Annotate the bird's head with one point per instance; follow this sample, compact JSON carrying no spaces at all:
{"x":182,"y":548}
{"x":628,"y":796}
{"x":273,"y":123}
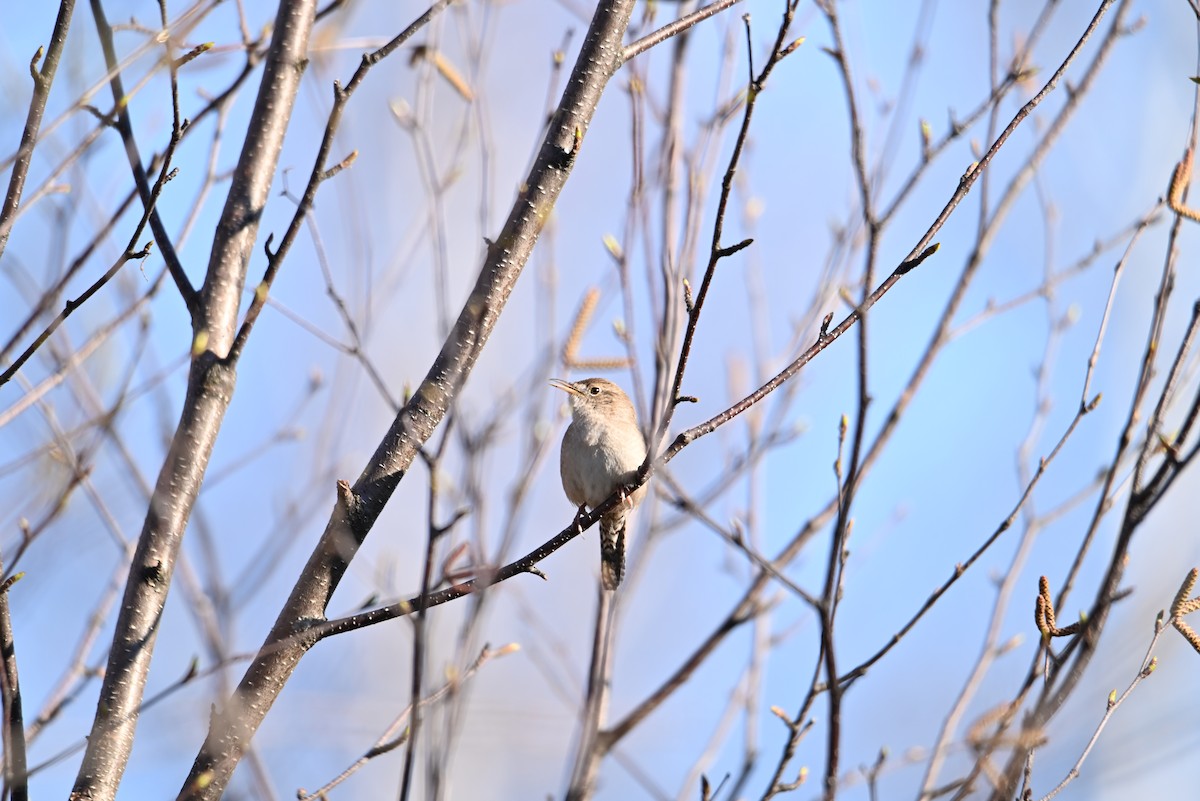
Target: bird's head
{"x":596,"y":398}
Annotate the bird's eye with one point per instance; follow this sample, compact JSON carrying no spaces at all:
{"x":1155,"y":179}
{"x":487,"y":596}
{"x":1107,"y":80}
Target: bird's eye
{"x":594,"y":390}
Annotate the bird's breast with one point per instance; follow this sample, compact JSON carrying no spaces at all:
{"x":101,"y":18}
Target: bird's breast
{"x":595,"y":462}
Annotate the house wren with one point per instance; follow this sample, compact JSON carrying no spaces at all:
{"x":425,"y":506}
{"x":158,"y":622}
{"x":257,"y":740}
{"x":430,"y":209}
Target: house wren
{"x":602,"y":450}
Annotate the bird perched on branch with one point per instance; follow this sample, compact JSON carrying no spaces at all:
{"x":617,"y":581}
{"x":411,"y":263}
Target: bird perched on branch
{"x":601,"y":451}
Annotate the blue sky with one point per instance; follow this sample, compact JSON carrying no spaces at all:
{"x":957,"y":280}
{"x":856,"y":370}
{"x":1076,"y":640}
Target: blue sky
{"x":944,"y":484}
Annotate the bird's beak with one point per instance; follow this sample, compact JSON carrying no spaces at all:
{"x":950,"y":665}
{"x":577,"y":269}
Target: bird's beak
{"x":566,"y":386}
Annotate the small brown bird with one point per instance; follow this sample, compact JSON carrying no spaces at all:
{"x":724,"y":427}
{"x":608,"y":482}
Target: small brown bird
{"x":602,"y":449}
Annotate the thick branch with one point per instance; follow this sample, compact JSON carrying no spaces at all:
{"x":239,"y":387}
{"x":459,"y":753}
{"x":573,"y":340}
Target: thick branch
{"x":357,"y":509}
{"x":210,"y":389}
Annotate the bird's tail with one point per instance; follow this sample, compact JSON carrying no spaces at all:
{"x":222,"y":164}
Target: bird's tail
{"x":612,"y":552}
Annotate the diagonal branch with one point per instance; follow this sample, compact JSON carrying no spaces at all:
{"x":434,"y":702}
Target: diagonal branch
{"x":307,"y":632}
{"x":319,"y":174}
{"x":674,"y":28}
{"x":124,"y":127}
{"x":359,"y":507}
{"x":42,"y":81}
{"x":210,"y":389}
